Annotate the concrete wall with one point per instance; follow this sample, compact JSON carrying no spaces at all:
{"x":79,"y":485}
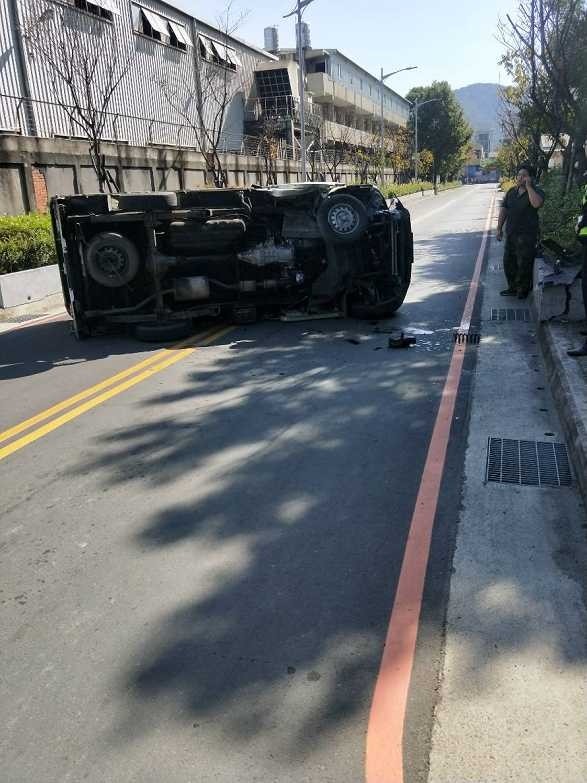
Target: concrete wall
{"x":30,"y":285}
{"x":32,"y":170}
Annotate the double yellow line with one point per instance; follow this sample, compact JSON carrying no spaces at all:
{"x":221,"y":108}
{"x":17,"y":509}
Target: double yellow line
{"x":90,"y":398}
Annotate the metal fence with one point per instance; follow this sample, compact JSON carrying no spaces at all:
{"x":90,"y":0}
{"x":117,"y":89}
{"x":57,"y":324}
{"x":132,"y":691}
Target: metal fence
{"x":282,"y":107}
{"x":46,"y":119}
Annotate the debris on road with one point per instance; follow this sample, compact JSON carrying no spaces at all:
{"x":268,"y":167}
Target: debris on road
{"x":401,"y":340}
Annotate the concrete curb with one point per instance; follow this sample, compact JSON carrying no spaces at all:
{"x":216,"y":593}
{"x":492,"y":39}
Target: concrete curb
{"x":569,"y":391}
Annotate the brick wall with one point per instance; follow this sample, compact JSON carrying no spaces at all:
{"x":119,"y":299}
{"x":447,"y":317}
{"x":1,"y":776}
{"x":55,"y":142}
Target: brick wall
{"x":40,"y":189}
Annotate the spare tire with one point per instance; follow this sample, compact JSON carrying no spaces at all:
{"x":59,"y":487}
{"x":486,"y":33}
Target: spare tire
{"x":144,"y":202}
{"x":112,"y":260}
{"x":342,"y":218}
{"x":189,"y":237}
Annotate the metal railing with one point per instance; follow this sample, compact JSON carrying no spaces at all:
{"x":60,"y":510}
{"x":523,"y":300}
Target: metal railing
{"x":47,"y":119}
{"x":281,"y":107}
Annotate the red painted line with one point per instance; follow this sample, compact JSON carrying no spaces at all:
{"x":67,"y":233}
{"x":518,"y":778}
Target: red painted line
{"x":384,"y":760}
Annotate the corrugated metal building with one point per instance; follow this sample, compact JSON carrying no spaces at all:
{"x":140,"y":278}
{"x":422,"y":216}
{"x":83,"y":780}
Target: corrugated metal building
{"x":163,"y":52}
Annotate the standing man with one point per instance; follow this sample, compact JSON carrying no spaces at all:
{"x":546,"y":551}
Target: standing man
{"x":582,"y":237}
{"x":519,"y":214}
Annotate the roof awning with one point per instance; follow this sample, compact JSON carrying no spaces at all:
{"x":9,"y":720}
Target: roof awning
{"x":180,"y":33}
{"x":234,"y":57}
{"x":207,"y":44}
{"x":220,"y":51}
{"x":157,"y":22}
{"x":107,"y":5}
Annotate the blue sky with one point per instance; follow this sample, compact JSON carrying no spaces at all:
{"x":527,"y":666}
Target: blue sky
{"x":452,"y":40}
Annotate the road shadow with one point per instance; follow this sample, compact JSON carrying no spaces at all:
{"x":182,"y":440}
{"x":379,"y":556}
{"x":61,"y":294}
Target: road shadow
{"x":38,"y":348}
{"x":287,"y":449}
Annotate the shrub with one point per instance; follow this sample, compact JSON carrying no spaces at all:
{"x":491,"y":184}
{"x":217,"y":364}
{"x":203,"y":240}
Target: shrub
{"x":26,"y":242}
{"x":505,"y":184}
{"x":559,"y":214}
{"x":416,"y":187}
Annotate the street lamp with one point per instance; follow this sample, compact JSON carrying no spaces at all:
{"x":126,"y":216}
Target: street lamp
{"x":417,"y":106}
{"x":298,"y":11}
{"x":385,"y":76}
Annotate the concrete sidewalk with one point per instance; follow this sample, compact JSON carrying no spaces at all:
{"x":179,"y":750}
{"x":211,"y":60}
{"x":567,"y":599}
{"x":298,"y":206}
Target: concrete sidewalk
{"x":513,"y":685}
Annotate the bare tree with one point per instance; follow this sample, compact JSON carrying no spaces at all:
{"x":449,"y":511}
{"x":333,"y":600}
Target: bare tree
{"x":269,"y":147}
{"x":366,"y":159}
{"x":205,"y":107}
{"x":399,"y":146}
{"x":86,"y":67}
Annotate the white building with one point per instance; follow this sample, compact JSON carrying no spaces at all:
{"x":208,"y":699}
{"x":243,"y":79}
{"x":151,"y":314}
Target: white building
{"x":162,"y":45}
{"x":342,"y":97}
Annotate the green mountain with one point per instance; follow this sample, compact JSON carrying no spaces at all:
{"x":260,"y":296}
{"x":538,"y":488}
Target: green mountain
{"x":482,"y":106}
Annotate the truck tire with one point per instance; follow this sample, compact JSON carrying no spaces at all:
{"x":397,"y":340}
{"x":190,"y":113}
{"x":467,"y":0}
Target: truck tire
{"x":112,"y":260}
{"x":144,"y":202}
{"x":163,"y":331}
{"x":392,"y":296}
{"x":342,"y":219}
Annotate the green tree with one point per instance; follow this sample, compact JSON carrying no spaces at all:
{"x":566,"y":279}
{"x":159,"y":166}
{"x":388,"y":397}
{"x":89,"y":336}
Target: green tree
{"x":426,"y":164}
{"x":546,"y":59}
{"x":442,"y":128}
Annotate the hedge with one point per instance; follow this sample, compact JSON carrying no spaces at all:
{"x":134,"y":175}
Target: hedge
{"x":416,"y":187}
{"x":559,"y":214}
{"x":26,"y":242}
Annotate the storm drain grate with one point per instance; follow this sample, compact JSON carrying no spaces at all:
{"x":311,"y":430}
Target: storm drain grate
{"x":510,"y":314}
{"x":528,"y":463}
{"x":467,"y":338}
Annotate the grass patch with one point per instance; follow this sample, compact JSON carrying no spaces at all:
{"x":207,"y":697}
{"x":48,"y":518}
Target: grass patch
{"x":397,"y":191}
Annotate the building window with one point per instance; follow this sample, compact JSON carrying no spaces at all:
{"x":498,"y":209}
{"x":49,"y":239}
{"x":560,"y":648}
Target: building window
{"x":320,"y":67}
{"x":157,"y":27}
{"x":104,"y":9}
{"x":218,"y":53}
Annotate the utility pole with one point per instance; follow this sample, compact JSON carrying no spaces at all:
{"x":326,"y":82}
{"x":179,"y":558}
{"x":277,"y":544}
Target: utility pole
{"x":385,"y":76}
{"x":298,"y":12}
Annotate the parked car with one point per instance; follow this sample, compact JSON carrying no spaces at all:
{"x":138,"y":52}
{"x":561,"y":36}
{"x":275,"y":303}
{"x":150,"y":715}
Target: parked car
{"x":157,"y":261}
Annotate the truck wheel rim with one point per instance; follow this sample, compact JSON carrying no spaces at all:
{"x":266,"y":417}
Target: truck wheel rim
{"x":343,"y":219}
{"x":111,"y":262}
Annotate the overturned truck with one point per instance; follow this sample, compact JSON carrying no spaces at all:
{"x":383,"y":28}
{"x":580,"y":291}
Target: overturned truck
{"x":158,"y":261}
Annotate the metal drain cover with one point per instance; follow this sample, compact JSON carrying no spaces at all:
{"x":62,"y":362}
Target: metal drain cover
{"x":467,"y":338}
{"x":510,"y":314}
{"x":528,"y":463}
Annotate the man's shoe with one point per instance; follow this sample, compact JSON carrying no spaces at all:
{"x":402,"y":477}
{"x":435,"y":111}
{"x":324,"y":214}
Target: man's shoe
{"x":508,"y":292}
{"x":578,"y":352}
{"x":523,"y":294}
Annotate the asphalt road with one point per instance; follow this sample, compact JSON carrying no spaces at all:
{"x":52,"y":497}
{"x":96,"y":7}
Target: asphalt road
{"x":198,"y":570}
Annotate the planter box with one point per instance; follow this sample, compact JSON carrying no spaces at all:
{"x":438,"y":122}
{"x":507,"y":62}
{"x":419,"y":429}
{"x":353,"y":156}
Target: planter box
{"x":30,"y":285}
